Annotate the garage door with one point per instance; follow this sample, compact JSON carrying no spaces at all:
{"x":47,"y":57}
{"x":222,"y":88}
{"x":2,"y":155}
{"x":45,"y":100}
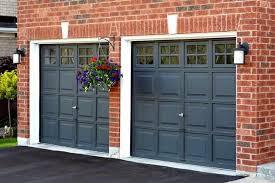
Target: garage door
{"x":69,"y":116}
{"x":183,"y":104}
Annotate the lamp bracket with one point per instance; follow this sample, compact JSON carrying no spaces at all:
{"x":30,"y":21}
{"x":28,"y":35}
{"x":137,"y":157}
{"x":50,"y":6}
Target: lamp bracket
{"x":245,"y":47}
{"x":21,"y":51}
{"x":110,"y":43}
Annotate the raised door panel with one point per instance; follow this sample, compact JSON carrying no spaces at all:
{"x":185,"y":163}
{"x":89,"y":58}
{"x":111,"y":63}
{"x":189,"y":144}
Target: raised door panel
{"x":224,"y":150}
{"x":67,"y":82}
{"x":86,"y":109}
{"x":67,"y":133}
{"x":197,"y":86}
{"x":86,"y":135}
{"x":144,"y":142}
{"x":197,"y":147}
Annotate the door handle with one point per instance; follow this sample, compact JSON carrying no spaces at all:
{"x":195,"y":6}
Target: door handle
{"x":181,"y":115}
{"x":74,"y":107}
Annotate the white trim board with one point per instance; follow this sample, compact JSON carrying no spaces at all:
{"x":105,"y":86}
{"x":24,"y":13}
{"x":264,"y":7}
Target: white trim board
{"x":125,"y":87}
{"x":70,"y":41}
{"x":23,"y":141}
{"x":8,"y":30}
{"x":34,"y":84}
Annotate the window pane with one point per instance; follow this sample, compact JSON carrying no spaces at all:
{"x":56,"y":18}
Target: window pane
{"x":71,"y":60}
{"x":219,"y":59}
{"x":64,"y":52}
{"x":202,"y":59}
{"x":149,"y":60}
{"x":165,"y":60}
{"x":82,"y":51}
{"x":219,"y":48}
{"x":82,"y":60}
{"x":89,"y":51}
{"x":174,"y":49}
{"x":141,"y":51}
{"x":52,"y":60}
{"x":174,"y":60}
{"x":230,"y":48}
{"x":103,"y":50}
{"x":191,"y":49}
{"x":71,"y":52}
{"x":141,"y":60}
{"x":229,"y":59}
{"x":149,"y":50}
{"x":64,"y":61}
{"x":164,"y":50}
{"x":50,"y":52}
{"x":202,"y":49}
{"x":67,"y":52}
{"x":191,"y":59}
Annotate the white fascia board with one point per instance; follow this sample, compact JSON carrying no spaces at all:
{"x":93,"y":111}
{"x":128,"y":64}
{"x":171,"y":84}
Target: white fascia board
{"x":8,"y":30}
{"x":210,"y":35}
{"x":71,"y":41}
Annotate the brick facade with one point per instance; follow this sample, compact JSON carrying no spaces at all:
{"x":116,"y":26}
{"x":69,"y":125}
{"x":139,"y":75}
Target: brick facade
{"x":253,"y":20}
{"x":8,"y":8}
{"x":8,"y":44}
{"x":7,"y":40}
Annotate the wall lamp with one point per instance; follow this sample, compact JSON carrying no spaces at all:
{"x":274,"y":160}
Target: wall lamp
{"x":240,"y":52}
{"x":20,"y":52}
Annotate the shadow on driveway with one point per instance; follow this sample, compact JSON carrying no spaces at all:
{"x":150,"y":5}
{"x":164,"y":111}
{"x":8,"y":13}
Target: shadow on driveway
{"x":30,"y":165}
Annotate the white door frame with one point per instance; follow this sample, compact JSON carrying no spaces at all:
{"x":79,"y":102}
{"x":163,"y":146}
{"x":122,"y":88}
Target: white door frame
{"x":34,"y":85}
{"x":125,"y":87}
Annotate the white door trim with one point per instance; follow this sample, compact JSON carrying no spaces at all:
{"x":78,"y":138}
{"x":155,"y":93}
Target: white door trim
{"x":125,"y":88}
{"x":34,"y":85}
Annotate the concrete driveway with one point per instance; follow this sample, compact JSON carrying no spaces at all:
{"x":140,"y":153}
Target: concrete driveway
{"x":30,"y":165}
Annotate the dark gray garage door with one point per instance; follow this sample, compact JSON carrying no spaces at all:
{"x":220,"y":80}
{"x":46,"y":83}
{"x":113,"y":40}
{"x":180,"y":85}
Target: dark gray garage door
{"x":69,"y":116}
{"x":184,"y":102}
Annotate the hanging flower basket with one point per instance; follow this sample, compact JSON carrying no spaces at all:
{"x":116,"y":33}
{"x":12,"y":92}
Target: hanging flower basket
{"x":99,"y":74}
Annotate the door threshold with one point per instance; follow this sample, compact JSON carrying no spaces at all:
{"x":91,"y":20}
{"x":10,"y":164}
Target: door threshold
{"x":184,"y":166}
{"x":52,"y":147}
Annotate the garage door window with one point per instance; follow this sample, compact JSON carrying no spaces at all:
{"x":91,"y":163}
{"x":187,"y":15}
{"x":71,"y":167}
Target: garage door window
{"x":145,"y":55}
{"x":50,"y":56}
{"x":169,"y":54}
{"x":224,"y":53}
{"x":67,"y":56}
{"x":196,"y":53}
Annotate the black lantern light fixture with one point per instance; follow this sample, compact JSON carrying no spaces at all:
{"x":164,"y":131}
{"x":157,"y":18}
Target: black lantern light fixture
{"x":20,"y":52}
{"x":240,"y":52}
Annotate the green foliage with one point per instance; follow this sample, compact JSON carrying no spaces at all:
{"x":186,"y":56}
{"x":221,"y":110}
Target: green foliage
{"x":8,"y":143}
{"x":8,"y":85}
{"x":6,"y":64}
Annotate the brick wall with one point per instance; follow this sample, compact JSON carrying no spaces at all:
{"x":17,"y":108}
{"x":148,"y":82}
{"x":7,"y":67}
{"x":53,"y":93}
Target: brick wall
{"x":255,"y":90}
{"x":7,"y":44}
{"x":252,"y":19}
{"x":8,"y":8}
